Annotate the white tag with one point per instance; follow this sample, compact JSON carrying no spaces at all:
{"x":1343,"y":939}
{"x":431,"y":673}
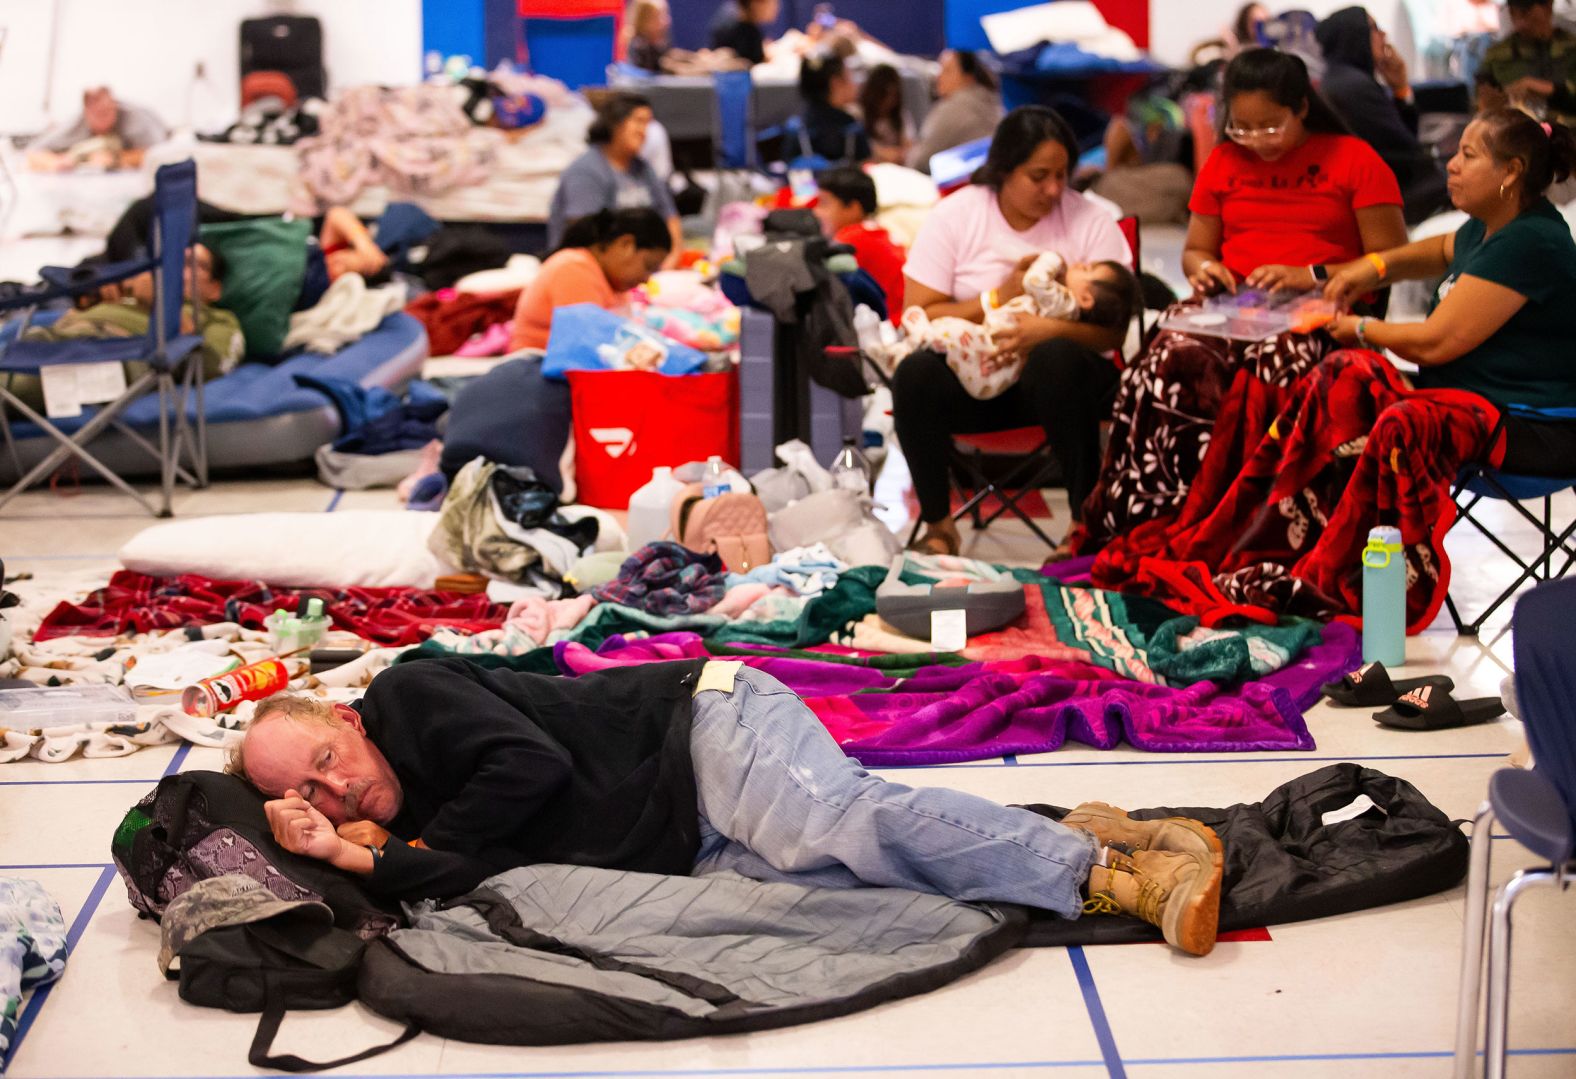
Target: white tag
{"x":1358,"y":806}
{"x":949,"y":630}
{"x":100,"y":382}
{"x":62,"y":398}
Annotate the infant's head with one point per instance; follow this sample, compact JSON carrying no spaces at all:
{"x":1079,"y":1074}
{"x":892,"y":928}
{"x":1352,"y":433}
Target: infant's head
{"x":1106,"y":293}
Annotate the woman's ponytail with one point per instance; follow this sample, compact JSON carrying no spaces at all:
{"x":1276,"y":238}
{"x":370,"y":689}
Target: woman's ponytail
{"x":1547,"y":151}
{"x":1562,"y":151}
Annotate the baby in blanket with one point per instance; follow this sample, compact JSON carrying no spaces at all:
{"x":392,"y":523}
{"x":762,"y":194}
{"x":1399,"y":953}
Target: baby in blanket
{"x":1099,"y":293}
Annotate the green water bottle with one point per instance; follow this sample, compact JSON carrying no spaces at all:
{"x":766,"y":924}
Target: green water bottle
{"x":1384,"y":598}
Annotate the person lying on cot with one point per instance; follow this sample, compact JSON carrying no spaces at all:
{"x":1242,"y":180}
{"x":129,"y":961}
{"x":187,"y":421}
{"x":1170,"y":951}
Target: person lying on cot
{"x":446,"y":773}
{"x":108,"y":134}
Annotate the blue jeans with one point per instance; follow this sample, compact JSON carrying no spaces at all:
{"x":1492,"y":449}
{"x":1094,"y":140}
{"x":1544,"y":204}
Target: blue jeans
{"x":780,"y":802}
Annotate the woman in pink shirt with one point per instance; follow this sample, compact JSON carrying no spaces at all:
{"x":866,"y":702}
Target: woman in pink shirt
{"x":970,"y":257}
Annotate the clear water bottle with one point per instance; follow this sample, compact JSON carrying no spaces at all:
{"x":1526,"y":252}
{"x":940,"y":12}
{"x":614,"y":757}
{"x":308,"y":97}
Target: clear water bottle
{"x":714,"y":481}
{"x":850,"y":471}
{"x":1384,"y":598}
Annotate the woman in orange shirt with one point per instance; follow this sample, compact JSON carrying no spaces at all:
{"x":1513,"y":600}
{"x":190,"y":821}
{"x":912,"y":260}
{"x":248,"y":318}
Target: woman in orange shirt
{"x":602,"y":257}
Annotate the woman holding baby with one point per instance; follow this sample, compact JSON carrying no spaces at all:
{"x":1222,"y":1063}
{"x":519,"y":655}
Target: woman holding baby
{"x":970,"y":258}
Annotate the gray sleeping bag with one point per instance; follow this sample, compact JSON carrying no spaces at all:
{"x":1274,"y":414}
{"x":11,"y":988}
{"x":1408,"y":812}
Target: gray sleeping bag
{"x":553,"y":954}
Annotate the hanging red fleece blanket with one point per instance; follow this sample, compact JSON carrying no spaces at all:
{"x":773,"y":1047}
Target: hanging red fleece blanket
{"x":1353,"y":446}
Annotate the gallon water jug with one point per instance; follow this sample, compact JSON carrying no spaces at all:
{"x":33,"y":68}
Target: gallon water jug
{"x":649,"y":507}
{"x":1384,"y":598}
{"x":850,"y":471}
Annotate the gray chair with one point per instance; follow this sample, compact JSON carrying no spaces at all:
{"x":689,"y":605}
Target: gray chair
{"x":1537,"y":807}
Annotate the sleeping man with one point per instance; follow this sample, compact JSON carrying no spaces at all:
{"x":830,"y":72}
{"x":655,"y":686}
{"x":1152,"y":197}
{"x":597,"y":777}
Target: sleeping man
{"x":446,"y":773}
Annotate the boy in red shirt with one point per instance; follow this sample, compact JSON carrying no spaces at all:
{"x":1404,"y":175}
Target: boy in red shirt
{"x":847,"y":200}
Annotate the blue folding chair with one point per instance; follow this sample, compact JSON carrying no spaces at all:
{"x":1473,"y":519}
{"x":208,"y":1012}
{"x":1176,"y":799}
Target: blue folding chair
{"x":1478,"y":481}
{"x":1537,"y":807}
{"x":173,"y":359}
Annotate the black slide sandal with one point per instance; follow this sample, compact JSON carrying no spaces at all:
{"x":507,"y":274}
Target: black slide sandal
{"x":1430,"y":709}
{"x":1369,"y":686}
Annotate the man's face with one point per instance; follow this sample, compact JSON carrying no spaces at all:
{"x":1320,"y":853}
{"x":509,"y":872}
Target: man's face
{"x":100,"y":111}
{"x":1533,"y":20}
{"x":335,"y":768}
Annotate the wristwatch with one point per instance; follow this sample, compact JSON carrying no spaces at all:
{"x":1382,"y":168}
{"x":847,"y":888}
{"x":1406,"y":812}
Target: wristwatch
{"x":1320,"y":273}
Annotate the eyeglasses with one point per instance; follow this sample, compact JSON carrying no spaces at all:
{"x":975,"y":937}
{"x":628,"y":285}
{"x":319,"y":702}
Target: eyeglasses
{"x":1253,"y":134}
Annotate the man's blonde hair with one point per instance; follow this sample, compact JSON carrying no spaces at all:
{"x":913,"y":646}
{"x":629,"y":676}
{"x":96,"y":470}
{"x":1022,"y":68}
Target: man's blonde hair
{"x":293,"y":706}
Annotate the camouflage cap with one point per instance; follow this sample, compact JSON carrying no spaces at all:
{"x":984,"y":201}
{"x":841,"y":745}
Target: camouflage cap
{"x":231,"y":899}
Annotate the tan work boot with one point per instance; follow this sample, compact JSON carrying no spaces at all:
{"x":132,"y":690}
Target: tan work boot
{"x":1180,"y":893}
{"x":1111,"y":825}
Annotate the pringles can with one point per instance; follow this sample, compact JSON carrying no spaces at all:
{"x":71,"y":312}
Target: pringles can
{"x":222,"y":693}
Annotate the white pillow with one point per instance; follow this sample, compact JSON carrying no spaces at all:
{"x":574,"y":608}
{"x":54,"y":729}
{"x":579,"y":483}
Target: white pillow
{"x":351,"y":548}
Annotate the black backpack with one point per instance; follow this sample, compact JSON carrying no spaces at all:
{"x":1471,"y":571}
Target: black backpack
{"x":196,"y":825}
{"x":271,"y":966}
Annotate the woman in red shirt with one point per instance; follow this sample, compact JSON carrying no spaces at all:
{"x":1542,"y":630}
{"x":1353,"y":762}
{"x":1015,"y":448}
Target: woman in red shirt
{"x":1286,"y":193}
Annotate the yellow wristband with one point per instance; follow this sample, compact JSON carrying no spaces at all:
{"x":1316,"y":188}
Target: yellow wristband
{"x":991,"y":300}
{"x":1378,"y":264}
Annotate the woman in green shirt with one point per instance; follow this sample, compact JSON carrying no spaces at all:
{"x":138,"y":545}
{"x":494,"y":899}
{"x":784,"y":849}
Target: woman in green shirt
{"x":1502,"y":320}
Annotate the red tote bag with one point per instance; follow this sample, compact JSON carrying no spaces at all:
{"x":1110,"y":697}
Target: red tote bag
{"x":630,"y":422}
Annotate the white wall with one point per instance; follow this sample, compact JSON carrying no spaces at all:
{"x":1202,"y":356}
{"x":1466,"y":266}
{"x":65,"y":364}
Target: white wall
{"x":1175,"y":26}
{"x":148,"y":52}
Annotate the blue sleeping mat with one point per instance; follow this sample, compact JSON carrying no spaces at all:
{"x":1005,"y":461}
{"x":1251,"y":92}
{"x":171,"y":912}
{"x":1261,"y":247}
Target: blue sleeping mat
{"x":257,"y":415}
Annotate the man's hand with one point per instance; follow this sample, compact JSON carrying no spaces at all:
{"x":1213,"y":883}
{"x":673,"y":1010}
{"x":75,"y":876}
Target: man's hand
{"x":1527,"y":90}
{"x":364,"y":833}
{"x":300,"y":829}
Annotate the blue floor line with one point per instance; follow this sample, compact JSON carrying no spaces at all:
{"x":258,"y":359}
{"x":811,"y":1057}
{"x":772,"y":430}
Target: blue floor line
{"x":36,"y":1003}
{"x":58,"y":865}
{"x":1102,"y":1026}
{"x":333,"y":503}
{"x":178,"y":759}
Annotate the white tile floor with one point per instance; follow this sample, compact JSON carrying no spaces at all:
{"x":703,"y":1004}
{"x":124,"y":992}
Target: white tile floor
{"x":1368,"y":994}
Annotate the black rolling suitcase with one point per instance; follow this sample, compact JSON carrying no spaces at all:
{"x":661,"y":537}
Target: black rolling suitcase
{"x":292,"y":44}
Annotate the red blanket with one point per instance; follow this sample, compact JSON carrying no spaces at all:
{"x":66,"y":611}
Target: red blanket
{"x":136,"y":603}
{"x":1281,"y":528}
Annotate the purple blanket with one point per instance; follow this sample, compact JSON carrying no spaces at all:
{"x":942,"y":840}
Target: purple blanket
{"x":946,"y":714}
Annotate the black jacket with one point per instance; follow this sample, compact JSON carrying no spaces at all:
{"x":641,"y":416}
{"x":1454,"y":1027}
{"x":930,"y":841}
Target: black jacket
{"x":1374,"y":114}
{"x":502,"y":769}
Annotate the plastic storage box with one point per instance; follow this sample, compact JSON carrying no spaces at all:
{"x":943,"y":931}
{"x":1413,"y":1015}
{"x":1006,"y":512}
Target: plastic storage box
{"x":1253,"y":315}
{"x":59,"y":706}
